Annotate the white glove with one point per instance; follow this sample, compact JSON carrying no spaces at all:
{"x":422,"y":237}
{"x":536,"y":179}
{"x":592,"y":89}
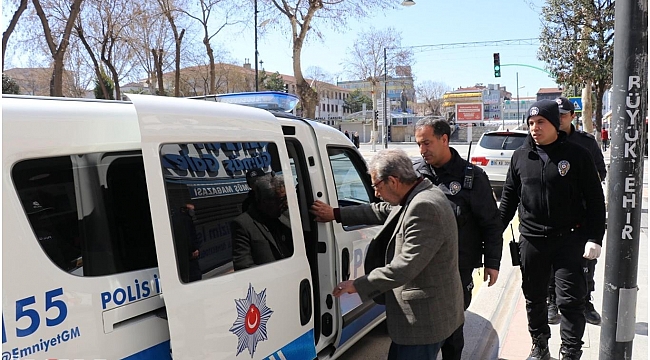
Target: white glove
{"x":592,"y":250}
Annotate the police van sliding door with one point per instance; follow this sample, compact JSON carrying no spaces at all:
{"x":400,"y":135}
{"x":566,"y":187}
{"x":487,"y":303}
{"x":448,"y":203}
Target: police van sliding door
{"x":235,"y":278}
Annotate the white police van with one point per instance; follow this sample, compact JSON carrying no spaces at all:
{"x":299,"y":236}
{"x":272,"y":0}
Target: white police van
{"x":102,"y":257}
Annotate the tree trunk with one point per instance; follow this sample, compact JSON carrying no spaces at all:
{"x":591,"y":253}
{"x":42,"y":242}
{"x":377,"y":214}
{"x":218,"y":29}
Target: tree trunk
{"x":213,"y":76}
{"x":10,"y":29}
{"x":56,"y":83}
{"x":587,"y":109}
{"x":177,"y":75}
{"x":157,"y":64}
{"x":57,"y":52}
{"x":307,"y":95}
{"x":98,"y":72}
{"x":116,"y":79}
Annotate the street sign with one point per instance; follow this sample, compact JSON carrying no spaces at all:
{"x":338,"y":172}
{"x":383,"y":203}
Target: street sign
{"x":577,"y":103}
{"x":470,"y":112}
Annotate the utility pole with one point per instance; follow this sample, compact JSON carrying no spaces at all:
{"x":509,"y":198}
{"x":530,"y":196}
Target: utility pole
{"x":257,"y":83}
{"x":384,"y":133}
{"x":518,"y":116}
{"x":628,"y":134}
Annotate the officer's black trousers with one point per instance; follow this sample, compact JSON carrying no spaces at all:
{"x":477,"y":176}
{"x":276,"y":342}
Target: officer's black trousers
{"x":562,"y":255}
{"x":590,"y":271}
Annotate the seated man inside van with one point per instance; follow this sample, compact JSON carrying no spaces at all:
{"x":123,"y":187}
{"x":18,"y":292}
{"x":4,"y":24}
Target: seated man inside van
{"x":262,"y":234}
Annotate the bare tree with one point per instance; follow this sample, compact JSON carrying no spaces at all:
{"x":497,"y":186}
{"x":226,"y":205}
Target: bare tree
{"x":206,"y":8}
{"x":64,"y":15}
{"x":11,"y":27}
{"x":365,"y":60}
{"x":93,"y":59}
{"x":431,"y":92}
{"x":170,"y":10}
{"x":301,"y":15}
{"x":151,"y":32}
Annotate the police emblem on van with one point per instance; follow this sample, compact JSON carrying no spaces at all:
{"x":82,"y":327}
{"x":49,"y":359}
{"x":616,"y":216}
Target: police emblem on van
{"x":563,"y":167}
{"x":252,"y":316}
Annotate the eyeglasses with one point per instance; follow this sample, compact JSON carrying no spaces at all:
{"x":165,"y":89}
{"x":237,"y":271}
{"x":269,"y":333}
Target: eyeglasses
{"x":374,"y":186}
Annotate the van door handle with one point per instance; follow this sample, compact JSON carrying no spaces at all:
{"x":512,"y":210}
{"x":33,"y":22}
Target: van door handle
{"x":345,"y":264}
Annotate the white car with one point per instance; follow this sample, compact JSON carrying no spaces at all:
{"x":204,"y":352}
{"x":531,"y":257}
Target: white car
{"x":493,"y":153}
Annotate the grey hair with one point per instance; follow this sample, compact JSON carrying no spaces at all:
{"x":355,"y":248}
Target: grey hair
{"x":440,"y":126}
{"x":267,"y":186}
{"x":393,"y":162}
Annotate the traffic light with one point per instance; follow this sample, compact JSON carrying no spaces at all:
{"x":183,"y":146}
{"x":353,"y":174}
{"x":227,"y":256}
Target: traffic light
{"x":497,"y":65}
{"x":286,"y":88}
{"x":376,"y":114}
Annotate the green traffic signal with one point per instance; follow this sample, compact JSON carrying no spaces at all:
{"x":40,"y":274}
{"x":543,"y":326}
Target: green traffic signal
{"x":497,"y":65}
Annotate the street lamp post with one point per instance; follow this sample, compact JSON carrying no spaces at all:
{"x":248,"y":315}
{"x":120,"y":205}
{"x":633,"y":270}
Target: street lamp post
{"x":518,"y":116}
{"x":257,"y":86}
{"x":384,"y":131}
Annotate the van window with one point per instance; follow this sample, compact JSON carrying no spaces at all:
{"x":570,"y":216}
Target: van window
{"x":227,"y":206}
{"x":349,"y":173}
{"x":89,"y":212}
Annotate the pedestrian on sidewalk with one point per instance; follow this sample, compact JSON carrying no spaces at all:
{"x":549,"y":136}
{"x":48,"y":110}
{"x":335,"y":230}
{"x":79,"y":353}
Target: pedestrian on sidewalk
{"x":555,"y":186}
{"x":412,"y":261}
{"x":604,"y":134}
{"x":587,"y":141}
{"x":480,"y":233}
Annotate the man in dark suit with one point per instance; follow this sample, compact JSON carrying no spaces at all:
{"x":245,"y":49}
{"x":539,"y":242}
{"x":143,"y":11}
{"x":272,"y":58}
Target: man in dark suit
{"x":417,"y":265}
{"x":262,"y":234}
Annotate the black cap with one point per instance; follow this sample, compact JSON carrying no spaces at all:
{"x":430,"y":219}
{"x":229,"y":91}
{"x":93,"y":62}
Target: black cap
{"x":548,"y":109}
{"x":565,"y":105}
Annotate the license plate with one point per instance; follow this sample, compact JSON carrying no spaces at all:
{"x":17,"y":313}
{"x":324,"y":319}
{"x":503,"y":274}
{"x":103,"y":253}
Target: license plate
{"x":500,"y":162}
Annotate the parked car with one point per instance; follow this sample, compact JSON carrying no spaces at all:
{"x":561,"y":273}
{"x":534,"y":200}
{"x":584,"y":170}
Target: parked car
{"x":493,"y":153}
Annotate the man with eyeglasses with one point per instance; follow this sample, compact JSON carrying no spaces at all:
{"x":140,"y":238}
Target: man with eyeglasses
{"x":480,"y":233}
{"x":412,"y":263}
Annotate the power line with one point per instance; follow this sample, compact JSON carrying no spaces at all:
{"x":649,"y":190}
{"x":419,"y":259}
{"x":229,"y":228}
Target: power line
{"x":422,"y":48}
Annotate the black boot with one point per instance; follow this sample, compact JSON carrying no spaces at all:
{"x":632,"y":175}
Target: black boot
{"x":567,"y":353}
{"x":591,"y":315}
{"x":554,"y":316}
{"x":539,"y":351}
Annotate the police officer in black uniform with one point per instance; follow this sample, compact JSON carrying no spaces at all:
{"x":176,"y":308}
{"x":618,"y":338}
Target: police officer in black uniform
{"x":567,"y":113}
{"x":554,"y":185}
{"x":468,"y":189}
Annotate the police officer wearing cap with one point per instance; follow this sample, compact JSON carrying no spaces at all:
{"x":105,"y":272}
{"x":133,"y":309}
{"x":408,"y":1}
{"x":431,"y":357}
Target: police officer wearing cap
{"x":586,"y":140}
{"x":554,"y":185}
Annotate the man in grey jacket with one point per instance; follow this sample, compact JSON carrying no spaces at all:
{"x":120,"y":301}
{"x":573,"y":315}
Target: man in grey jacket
{"x":417,"y":266}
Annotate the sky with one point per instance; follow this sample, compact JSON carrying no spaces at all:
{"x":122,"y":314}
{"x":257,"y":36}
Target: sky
{"x":429,"y":22}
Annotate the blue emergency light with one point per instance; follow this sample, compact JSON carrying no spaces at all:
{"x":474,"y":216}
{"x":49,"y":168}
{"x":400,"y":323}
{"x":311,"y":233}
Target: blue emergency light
{"x":268,"y":100}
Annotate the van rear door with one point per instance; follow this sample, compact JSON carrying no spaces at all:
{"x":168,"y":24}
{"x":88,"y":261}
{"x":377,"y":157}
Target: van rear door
{"x":235,"y":277}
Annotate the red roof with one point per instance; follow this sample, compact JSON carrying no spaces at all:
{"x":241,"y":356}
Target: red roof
{"x":549,"y":91}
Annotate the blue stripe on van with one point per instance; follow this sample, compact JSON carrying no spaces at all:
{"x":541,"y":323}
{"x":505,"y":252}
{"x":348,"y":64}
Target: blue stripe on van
{"x":160,"y":351}
{"x":361,"y":322}
{"x":301,"y":348}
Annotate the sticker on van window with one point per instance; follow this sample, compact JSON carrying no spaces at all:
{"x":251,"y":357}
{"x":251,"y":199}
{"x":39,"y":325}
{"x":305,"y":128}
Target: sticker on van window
{"x":213,"y":160}
{"x":252,"y":316}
